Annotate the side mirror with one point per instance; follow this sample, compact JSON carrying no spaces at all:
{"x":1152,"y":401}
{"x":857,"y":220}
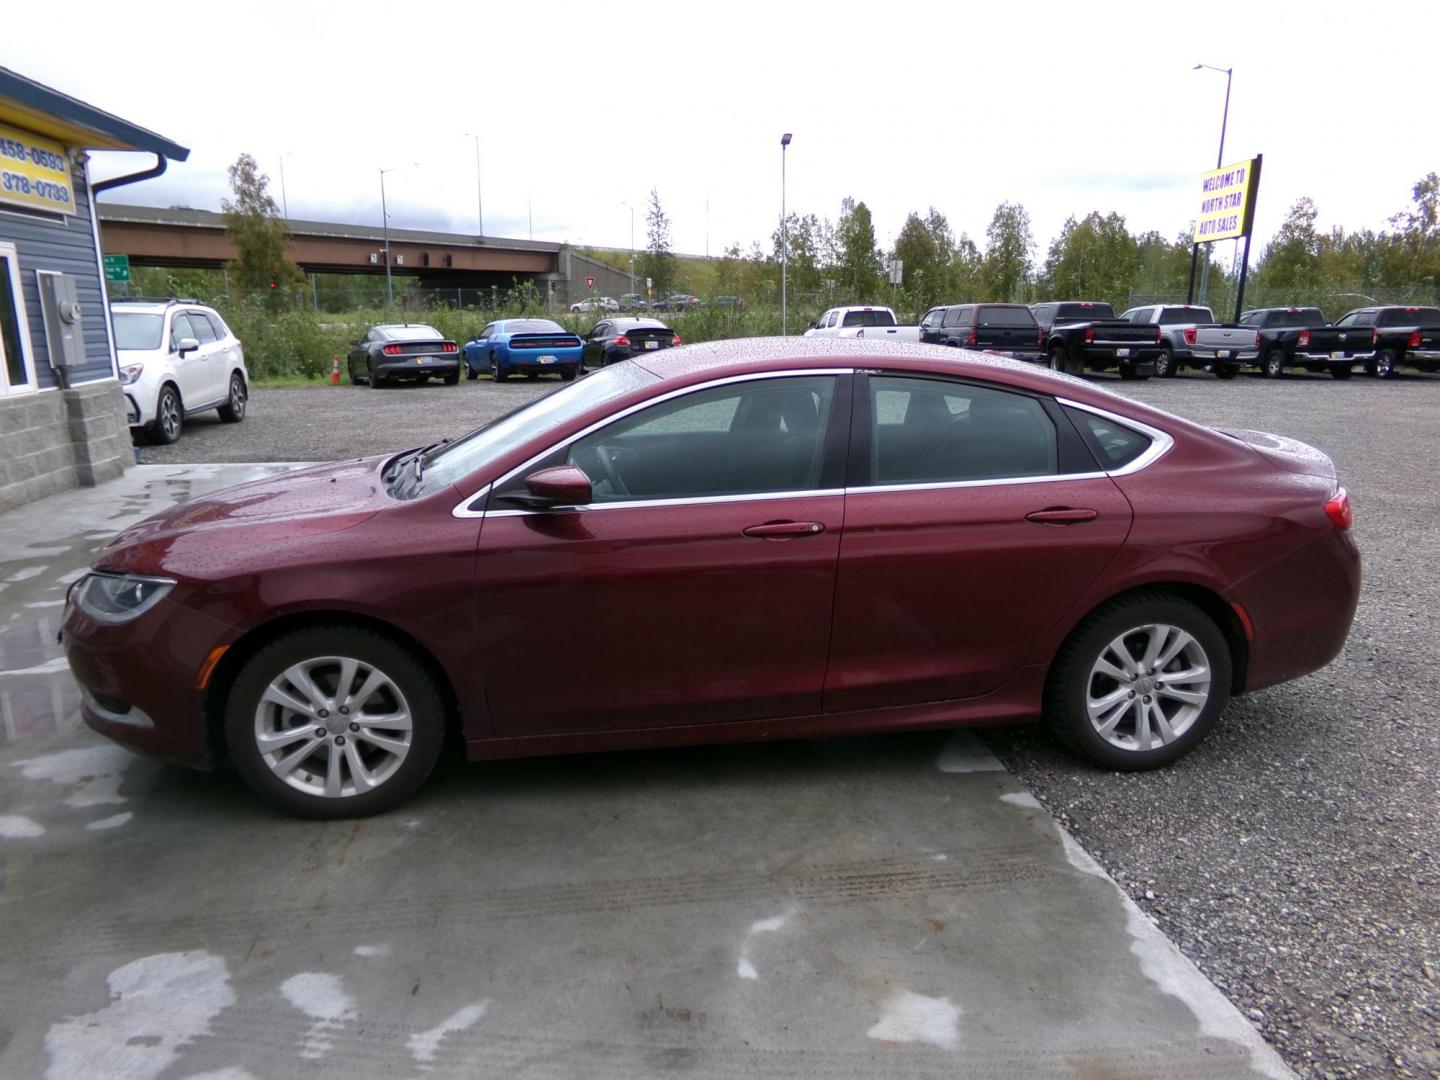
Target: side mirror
{"x":549,"y":489}
{"x":187,"y":344}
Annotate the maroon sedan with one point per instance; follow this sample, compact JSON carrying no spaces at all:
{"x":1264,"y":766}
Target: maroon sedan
{"x":759,"y":539}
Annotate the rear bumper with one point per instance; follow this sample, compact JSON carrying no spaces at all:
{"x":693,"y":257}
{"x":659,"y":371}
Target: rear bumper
{"x":404,"y":366}
{"x":1214,"y":356}
{"x":1423,"y":356}
{"x":561,"y":358}
{"x":1313,"y":359}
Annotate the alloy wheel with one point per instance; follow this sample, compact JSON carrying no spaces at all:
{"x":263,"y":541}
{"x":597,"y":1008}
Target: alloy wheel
{"x":170,"y":416}
{"x":1147,"y":687}
{"x":333,"y":726}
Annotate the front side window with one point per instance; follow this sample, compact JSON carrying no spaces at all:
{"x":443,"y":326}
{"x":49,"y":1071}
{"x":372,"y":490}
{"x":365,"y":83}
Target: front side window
{"x":14,"y":334}
{"x":748,"y":438}
{"x":180,"y":329}
{"x":927,"y":431}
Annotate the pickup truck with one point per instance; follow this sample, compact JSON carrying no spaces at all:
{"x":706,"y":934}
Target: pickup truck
{"x":1408,"y":336}
{"x":870,"y":323}
{"x":1190,"y":335}
{"x":1085,"y":334}
{"x":1007,"y":329}
{"x":1300,"y":337}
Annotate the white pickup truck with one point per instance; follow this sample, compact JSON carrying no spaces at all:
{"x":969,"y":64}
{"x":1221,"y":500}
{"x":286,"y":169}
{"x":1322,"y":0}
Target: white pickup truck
{"x":870,"y":323}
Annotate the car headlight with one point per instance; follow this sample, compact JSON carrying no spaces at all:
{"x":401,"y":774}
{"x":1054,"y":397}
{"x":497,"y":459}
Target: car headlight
{"x":119,"y":598}
{"x":130,"y":372}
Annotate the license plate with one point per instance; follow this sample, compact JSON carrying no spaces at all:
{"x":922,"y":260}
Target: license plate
{"x":547,"y":359}
{"x":652,"y":344}
{"x":1222,"y":354}
{"x":1337,"y":356}
{"x":1122,"y":352}
{"x":422,"y":359}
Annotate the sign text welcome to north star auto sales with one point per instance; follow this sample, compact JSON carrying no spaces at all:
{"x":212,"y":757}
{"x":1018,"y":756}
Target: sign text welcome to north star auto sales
{"x":34,"y":172}
{"x":1226,"y":195}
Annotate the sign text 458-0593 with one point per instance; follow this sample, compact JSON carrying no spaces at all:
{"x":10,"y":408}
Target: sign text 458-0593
{"x":34,"y":172}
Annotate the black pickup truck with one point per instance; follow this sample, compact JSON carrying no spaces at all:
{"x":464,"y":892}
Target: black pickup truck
{"x":1007,"y":329}
{"x":1077,"y":335}
{"x":1401,"y":336}
{"x":1300,"y":337}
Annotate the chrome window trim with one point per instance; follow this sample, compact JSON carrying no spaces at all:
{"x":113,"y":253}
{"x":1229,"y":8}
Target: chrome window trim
{"x":1160,"y":441}
{"x":941,"y":485}
{"x":679,"y":392}
{"x":693,"y":500}
{"x":463,"y":509}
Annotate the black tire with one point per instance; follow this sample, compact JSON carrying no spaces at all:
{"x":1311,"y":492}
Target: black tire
{"x":567,"y":374}
{"x":374,"y":380}
{"x":496,"y":373}
{"x":236,"y":402}
{"x":470,"y":373}
{"x":1343,"y":372}
{"x":169,"y":417}
{"x":1226,"y":371}
{"x":1129,"y":373}
{"x":1273,"y":364}
{"x":1074,"y":670}
{"x":1165,"y":366}
{"x":1386,"y":363}
{"x":1057,"y":358}
{"x":403,"y":669}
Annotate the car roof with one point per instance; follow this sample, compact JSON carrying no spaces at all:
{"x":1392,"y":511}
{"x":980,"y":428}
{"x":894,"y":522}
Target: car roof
{"x":637,"y":322}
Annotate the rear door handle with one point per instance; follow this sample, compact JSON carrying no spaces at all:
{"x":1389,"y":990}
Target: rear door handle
{"x":1062,"y":515}
{"x":784,"y":530}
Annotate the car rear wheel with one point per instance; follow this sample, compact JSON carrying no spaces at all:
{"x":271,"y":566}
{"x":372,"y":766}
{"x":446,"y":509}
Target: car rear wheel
{"x":169,"y":416}
{"x":1385,"y":363}
{"x":334,"y":721}
{"x":1165,"y":366}
{"x":1139,"y":683}
{"x":1274,"y":365}
{"x":1342,"y":372}
{"x":1057,"y":358}
{"x":233,"y":411}
{"x":497,"y":373}
{"x":374,"y":380}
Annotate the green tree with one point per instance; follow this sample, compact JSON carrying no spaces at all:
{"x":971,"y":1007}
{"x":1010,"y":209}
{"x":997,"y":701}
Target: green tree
{"x":258,"y":234}
{"x":657,"y":261}
{"x":1094,"y":258}
{"x":859,"y":265}
{"x":1290,"y":264}
{"x":924,"y":269}
{"x":804,"y":272}
{"x":727,"y":271}
{"x":1005,"y":273}
{"x":1164,"y":269}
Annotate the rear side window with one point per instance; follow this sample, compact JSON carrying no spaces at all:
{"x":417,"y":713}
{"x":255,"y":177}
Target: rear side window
{"x":1006,"y":316}
{"x":957,"y":316}
{"x":934,"y":431}
{"x":1114,"y":445}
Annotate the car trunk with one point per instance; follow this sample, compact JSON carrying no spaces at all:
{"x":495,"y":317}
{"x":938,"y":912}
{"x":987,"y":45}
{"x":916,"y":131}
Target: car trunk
{"x":1288,"y":454}
{"x":544,"y":341}
{"x":649,"y":338}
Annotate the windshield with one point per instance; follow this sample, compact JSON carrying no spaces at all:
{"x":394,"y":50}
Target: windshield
{"x":419,"y":332}
{"x":531,"y":326}
{"x":875,"y":317}
{"x":136,"y":331}
{"x":462,"y":457}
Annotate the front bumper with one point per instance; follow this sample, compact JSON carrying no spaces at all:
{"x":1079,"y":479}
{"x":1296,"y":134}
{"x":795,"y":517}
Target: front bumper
{"x":138,"y":679}
{"x":132,"y":410}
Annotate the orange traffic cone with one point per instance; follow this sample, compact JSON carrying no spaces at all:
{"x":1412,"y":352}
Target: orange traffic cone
{"x":334,"y":370}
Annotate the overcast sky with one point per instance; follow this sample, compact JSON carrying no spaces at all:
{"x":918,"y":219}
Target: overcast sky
{"x":581,"y":108}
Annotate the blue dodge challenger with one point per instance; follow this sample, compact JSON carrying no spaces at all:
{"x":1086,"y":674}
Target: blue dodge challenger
{"x":531,"y":346}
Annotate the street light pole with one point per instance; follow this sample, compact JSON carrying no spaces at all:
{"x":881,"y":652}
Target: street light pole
{"x":784,"y":240}
{"x":479,"y":206}
{"x":1219,"y":157}
{"x":631,"y":208}
{"x":284,"y":202}
{"x":385,"y":226}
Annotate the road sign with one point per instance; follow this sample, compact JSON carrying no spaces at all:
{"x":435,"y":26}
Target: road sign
{"x":589,"y":282}
{"x":117,"y":268}
{"x":897,"y":271}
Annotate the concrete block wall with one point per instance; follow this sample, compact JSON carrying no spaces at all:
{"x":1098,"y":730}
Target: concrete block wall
{"x":60,"y":439}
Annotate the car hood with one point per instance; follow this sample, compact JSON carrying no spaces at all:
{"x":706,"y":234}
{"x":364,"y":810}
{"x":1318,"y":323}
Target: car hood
{"x":254,"y":516}
{"x":1288,"y":454}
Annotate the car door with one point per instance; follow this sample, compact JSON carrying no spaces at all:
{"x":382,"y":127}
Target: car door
{"x":955,"y":325}
{"x":695,"y":587}
{"x":975,"y":518}
{"x":594,"y":351}
{"x":189,"y":368}
{"x":212,"y":368}
{"x":357,"y":358}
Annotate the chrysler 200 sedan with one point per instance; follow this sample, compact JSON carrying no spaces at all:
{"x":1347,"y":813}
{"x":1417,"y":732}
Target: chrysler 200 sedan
{"x":769,"y":539}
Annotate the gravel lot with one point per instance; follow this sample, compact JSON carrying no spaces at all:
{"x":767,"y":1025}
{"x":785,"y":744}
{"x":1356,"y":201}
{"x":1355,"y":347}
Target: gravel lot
{"x":1296,"y":855}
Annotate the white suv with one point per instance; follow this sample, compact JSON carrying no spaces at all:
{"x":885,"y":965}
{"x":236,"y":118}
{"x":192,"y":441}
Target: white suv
{"x":177,"y":358}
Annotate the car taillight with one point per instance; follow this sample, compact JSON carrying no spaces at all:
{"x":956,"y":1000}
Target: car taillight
{"x":1157,"y":335}
{"x":1304,"y":339}
{"x":1414,"y":342}
{"x":1338,"y":509}
{"x":1374,"y":337}
{"x":970,"y":338}
{"x":392,"y":350}
{"x":1040,"y":339}
{"x":450,"y":346}
{"x":676,"y":340}
{"x":1189,"y":335}
{"x":622,"y":340}
{"x":1089,"y":335}
{"x":1257,"y":339}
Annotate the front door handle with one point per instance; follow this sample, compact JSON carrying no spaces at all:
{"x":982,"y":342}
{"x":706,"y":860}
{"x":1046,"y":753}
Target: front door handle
{"x":784,"y":530}
{"x":1062,"y":515}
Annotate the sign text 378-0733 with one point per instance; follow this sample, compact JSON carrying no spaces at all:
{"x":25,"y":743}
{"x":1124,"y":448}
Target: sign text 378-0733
{"x":34,"y":172}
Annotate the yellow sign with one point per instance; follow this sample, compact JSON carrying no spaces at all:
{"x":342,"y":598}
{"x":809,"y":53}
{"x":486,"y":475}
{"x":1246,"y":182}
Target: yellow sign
{"x":1226,"y":198}
{"x":35,"y":172}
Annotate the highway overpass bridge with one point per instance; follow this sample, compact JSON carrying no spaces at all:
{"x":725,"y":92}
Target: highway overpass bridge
{"x":153,"y":236}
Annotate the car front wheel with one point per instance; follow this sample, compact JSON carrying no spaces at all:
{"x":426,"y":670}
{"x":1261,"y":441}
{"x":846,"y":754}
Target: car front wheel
{"x":169,"y":416}
{"x":334,"y":721}
{"x":1139,"y":683}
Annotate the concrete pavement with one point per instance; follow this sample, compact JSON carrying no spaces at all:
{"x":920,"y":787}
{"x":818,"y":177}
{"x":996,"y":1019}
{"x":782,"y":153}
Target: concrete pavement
{"x":880,"y":906}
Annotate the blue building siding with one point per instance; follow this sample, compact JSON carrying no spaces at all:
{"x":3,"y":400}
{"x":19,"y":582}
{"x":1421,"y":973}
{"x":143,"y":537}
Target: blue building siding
{"x":65,"y":244}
